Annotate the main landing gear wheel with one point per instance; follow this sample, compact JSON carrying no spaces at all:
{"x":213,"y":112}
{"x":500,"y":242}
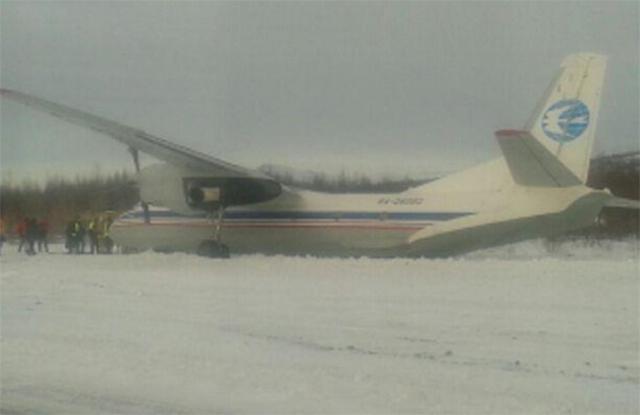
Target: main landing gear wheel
{"x":213,"y":249}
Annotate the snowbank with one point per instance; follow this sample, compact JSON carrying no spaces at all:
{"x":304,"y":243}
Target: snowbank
{"x":510,"y":330}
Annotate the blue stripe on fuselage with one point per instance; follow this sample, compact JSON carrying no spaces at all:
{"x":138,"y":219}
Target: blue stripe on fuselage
{"x":302,"y":215}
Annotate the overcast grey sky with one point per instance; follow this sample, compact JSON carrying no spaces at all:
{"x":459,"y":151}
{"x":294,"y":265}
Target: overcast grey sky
{"x":374,"y":87}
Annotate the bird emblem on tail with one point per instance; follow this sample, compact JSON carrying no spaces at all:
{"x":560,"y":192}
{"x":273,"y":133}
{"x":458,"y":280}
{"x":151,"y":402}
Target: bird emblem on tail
{"x":565,"y":120}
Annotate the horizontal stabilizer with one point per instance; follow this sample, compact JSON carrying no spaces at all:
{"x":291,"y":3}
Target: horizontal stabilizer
{"x":531,"y":163}
{"x":620,"y":202}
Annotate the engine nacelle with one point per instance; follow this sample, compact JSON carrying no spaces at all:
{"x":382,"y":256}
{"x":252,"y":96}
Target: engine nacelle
{"x":185,"y":190}
{"x":210,"y":192}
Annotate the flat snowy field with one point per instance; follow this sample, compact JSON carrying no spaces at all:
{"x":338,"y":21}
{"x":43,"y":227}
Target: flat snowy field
{"x":509,"y":330}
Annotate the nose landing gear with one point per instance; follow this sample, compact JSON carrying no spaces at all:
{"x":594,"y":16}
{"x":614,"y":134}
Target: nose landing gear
{"x":213,"y":249}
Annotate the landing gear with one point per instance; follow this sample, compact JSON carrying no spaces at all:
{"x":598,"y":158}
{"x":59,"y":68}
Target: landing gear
{"x":214,"y":248}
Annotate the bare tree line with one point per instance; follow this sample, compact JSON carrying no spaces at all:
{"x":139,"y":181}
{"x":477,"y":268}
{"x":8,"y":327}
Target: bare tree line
{"x":60,"y":200}
{"x":343,"y":182}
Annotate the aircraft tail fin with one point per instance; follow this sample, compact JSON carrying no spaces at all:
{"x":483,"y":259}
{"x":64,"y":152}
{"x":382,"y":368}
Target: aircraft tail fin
{"x":564,"y":121}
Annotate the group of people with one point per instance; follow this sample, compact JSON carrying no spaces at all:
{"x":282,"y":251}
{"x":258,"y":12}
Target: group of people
{"x":95,"y":231}
{"x":33,"y":232}
{"x":33,"y":235}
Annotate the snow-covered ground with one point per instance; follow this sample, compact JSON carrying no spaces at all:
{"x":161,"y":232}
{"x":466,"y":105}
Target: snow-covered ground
{"x":509,"y":330}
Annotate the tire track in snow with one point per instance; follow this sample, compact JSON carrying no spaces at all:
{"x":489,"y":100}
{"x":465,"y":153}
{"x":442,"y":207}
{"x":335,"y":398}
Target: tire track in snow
{"x":440,"y":357}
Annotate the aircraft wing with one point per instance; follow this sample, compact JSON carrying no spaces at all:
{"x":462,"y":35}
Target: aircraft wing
{"x":138,"y":139}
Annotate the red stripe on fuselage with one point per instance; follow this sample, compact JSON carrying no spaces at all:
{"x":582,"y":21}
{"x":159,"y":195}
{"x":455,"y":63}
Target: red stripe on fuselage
{"x":326,"y":225}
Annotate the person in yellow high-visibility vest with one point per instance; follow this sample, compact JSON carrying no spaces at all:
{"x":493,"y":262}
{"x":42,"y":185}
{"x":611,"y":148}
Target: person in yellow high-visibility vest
{"x":107,"y":243}
{"x":93,"y":229}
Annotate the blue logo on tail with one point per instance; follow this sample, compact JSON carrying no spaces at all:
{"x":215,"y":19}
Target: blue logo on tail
{"x":565,"y":120}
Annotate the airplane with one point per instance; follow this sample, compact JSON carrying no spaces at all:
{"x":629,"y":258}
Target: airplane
{"x":197,"y":203}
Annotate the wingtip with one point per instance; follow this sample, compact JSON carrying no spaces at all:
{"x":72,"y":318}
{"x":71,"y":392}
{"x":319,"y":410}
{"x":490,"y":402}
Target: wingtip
{"x":5,"y":91}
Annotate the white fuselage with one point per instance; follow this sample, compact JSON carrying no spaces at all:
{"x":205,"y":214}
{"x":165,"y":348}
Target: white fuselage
{"x":309,"y":223}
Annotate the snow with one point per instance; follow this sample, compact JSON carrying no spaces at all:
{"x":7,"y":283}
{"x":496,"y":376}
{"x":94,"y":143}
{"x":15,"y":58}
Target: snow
{"x":508,"y":330}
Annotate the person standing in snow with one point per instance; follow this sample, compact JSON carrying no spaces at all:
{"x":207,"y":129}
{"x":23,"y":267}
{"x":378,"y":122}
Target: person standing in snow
{"x":72,"y":233}
{"x":21,"y":231}
{"x":81,"y":235}
{"x":68,"y":237}
{"x":107,"y":242}
{"x":92,"y":230}
{"x":2,"y":237}
{"x":43,"y":232}
{"x":31,"y":234}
